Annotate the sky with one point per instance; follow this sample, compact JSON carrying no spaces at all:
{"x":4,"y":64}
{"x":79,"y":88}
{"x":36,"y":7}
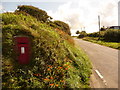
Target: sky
{"x":119,"y":13}
{"x":79,"y":14}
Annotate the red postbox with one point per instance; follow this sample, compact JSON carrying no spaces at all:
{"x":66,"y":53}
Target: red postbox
{"x":22,"y":49}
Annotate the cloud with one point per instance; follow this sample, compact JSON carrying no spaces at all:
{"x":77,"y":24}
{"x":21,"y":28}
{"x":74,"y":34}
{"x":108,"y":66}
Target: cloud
{"x":85,"y":13}
{"x":1,"y":8}
{"x":109,"y":15}
{"x":72,"y":16}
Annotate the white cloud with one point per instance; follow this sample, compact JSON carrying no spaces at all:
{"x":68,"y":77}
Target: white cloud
{"x":85,"y":13}
{"x":109,"y":15}
{"x":1,"y":8}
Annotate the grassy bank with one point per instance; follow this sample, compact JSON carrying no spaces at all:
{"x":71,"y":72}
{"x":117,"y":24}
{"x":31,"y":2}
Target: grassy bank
{"x":55,"y":61}
{"x":114,"y":45}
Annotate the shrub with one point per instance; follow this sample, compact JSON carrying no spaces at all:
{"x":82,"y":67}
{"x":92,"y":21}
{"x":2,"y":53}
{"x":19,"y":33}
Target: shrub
{"x":82,"y":34}
{"x":112,"y":35}
{"x":77,"y":32}
{"x":95,"y":34}
{"x":63,"y":26}
{"x":41,"y":15}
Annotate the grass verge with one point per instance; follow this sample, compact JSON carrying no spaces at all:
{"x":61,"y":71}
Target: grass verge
{"x":114,"y":45}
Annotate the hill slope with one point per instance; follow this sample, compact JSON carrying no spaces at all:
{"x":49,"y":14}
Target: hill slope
{"x":55,"y":62}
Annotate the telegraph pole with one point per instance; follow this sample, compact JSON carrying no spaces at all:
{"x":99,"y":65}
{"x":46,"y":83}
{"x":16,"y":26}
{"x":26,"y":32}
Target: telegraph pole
{"x":99,"y":25}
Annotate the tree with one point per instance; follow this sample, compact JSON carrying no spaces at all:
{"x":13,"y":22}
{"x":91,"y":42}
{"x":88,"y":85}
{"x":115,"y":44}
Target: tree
{"x":103,"y":28}
{"x":63,"y":26}
{"x":41,"y":15}
{"x":77,"y":32}
{"x":82,"y":34}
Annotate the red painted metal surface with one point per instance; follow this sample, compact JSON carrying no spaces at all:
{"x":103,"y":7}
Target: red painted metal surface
{"x":22,"y":48}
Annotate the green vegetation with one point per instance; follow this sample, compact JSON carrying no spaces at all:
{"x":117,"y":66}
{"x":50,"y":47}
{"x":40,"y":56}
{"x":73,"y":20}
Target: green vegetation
{"x":39,"y":14}
{"x":112,"y":35}
{"x":55,"y":61}
{"x":82,"y":34}
{"x":42,"y":16}
{"x":0,"y":37}
{"x":114,"y":45}
{"x":63,"y":26}
{"x":109,"y":37}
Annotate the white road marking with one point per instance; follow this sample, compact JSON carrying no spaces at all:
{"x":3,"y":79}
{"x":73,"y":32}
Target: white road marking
{"x":105,"y":82}
{"x":100,"y":75}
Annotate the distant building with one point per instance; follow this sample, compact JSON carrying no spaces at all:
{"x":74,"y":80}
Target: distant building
{"x":119,"y":13}
{"x":114,"y":27}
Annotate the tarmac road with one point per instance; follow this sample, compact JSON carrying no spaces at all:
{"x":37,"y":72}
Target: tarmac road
{"x":105,"y":64}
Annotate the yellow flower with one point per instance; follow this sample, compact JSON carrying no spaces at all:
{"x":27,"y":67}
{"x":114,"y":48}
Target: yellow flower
{"x":59,"y":67}
{"x":48,"y":69}
{"x":65,"y":64}
{"x":69,"y":66}
{"x":51,"y":77}
{"x":51,"y":84}
{"x":46,"y":79}
{"x":66,"y":68}
{"x":51,"y":67}
{"x":62,"y":81}
{"x":56,"y":85}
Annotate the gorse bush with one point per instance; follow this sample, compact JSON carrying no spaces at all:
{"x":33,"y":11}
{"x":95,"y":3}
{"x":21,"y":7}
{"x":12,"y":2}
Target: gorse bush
{"x":41,"y":15}
{"x":63,"y":26}
{"x":55,"y":62}
{"x":65,"y":36}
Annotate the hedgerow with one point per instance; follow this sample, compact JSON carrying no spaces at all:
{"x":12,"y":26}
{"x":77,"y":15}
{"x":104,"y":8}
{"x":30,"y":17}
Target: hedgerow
{"x":109,"y":35}
{"x":112,"y":35}
{"x":55,"y":62}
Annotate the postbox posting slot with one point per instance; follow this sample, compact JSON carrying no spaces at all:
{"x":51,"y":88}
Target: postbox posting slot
{"x":22,"y":50}
{"x":23,"y":43}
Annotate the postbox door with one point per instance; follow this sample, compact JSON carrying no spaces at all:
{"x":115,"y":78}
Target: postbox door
{"x":23,"y":56}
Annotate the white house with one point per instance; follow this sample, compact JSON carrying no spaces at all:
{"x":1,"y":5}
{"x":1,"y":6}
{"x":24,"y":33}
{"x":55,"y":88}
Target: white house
{"x":114,"y":27}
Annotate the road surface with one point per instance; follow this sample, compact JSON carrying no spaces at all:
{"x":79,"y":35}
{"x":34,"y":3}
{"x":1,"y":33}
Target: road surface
{"x":105,"y":64}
